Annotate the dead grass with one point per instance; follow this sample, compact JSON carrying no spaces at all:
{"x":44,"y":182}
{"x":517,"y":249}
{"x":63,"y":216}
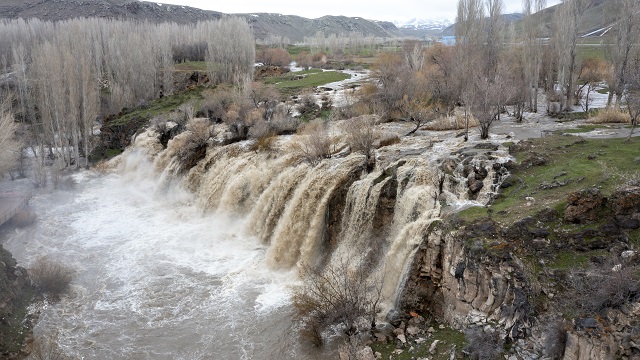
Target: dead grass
{"x":610,"y":116}
{"x":455,"y":122}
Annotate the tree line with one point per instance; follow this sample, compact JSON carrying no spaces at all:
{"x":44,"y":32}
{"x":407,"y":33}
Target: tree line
{"x":493,"y":66}
{"x":60,"y":77}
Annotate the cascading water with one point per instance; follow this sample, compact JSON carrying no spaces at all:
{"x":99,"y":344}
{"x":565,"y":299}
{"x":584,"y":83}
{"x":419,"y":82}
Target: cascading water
{"x":155,"y":279}
{"x":206,"y":272}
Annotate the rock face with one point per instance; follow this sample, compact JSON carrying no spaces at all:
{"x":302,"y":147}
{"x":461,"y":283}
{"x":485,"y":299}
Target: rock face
{"x":14,"y":297}
{"x":581,"y":347}
{"x":471,"y":274}
{"x":465,"y":288}
{"x":584,"y":205}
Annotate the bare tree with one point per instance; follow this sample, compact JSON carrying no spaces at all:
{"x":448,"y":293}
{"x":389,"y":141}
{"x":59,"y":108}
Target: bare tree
{"x":10,"y":147}
{"x":567,"y":21}
{"x":339,"y":295}
{"x":231,"y":52}
{"x":626,"y":15}
{"x":592,"y":72}
{"x":532,"y":54}
{"x":632,"y":92}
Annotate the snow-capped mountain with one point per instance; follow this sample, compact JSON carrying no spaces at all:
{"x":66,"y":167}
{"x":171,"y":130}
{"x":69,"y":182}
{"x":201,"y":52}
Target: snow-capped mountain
{"x":424,"y":24}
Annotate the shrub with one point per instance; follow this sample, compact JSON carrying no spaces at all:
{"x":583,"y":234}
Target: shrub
{"x":191,"y":146}
{"x":609,"y":285}
{"x":361,"y":134}
{"x":339,"y":295}
{"x":50,"y":277}
{"x":610,"y":116}
{"x":283,"y":123}
{"x":313,"y":142}
{"x":456,"y":122}
{"x":483,"y":344}
{"x":308,"y":107}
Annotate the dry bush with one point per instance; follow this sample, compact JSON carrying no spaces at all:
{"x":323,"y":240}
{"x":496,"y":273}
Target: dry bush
{"x":387,"y":138}
{"x":265,"y":144}
{"x":609,"y":285}
{"x":273,"y":56}
{"x":313,"y":142}
{"x":610,"y":116}
{"x":483,"y":344}
{"x":456,"y":122}
{"x":361,"y":134}
{"x":308,"y":107}
{"x":284,"y":124}
{"x":50,"y":277}
{"x":340,"y":295}
{"x":191,"y":146}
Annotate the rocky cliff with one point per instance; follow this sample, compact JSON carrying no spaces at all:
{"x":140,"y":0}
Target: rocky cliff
{"x":560,"y":283}
{"x":15,"y":296}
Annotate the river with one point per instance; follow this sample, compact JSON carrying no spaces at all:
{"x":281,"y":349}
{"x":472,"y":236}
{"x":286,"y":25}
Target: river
{"x":155,"y":278}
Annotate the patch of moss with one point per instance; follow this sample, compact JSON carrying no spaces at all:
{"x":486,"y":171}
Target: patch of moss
{"x":569,"y":259}
{"x":159,"y":106}
{"x":295,"y":83}
{"x":446,"y":337}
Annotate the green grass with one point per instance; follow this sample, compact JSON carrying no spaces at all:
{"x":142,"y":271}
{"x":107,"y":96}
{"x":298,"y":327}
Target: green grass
{"x":191,"y":66}
{"x":591,"y":51}
{"x":295,"y":49}
{"x":160,"y":106}
{"x":570,"y":259}
{"x":290,"y":83}
{"x":612,"y":165}
{"x":447,"y":337}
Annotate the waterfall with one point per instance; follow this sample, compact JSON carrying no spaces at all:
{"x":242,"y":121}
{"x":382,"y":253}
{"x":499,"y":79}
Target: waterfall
{"x":313,"y":216}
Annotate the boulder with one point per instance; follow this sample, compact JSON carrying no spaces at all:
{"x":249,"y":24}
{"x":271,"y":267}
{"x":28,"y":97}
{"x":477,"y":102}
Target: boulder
{"x":584,"y":205}
{"x":365,"y":354}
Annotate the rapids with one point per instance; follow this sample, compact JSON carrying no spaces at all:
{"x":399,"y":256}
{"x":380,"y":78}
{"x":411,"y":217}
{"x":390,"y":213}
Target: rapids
{"x":201,"y":264}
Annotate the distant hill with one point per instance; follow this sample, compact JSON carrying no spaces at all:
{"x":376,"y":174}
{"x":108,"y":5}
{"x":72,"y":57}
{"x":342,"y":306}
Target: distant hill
{"x":507,"y":18}
{"x":421,"y":28}
{"x":595,"y":21}
{"x":55,"y":10}
{"x":297,"y":27}
{"x":293,"y":27}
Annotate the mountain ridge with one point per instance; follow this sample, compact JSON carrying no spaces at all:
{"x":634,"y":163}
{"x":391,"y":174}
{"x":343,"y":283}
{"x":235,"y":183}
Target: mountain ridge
{"x":264,"y":24}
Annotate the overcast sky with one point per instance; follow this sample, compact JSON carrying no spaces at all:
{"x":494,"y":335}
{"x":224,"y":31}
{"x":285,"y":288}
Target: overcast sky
{"x":371,"y":9}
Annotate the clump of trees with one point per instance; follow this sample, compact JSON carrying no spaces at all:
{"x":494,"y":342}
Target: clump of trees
{"x":491,"y":68}
{"x":66,"y":75}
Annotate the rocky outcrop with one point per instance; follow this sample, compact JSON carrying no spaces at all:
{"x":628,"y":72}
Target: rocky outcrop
{"x":584,"y":205}
{"x":461,"y":283}
{"x":15,"y":295}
